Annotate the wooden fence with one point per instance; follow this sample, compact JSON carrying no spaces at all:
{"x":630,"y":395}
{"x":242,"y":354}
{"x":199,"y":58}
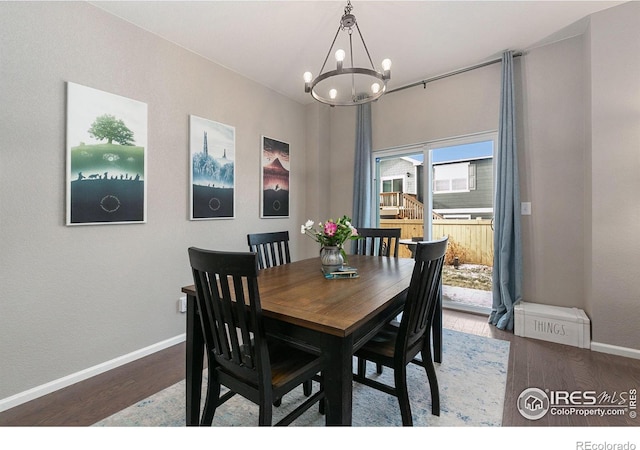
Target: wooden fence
{"x":473,"y":237}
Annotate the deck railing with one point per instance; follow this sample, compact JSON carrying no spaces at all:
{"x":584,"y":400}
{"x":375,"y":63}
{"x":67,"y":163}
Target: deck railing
{"x":400,"y":205}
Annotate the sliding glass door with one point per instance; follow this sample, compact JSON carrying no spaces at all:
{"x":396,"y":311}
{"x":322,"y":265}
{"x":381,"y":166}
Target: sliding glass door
{"x":444,"y":188}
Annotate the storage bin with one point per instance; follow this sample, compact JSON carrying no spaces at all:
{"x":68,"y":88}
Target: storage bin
{"x":569,"y":326}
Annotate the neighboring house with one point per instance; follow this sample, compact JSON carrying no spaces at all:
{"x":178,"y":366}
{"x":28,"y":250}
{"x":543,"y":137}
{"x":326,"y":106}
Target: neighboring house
{"x":402,"y":175}
{"x":401,"y":188}
{"x":462,"y":189}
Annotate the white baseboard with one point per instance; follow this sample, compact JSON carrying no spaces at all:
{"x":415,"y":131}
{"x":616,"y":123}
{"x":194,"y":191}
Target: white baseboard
{"x":52,"y":386}
{"x":615,"y":350}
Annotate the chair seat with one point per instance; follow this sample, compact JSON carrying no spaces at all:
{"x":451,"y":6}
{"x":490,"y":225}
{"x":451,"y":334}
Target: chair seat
{"x":383,"y":343}
{"x":288,"y":364}
{"x":381,"y":347}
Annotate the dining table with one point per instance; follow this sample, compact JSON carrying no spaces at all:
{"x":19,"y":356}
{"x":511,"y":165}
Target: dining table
{"x":333,"y":316}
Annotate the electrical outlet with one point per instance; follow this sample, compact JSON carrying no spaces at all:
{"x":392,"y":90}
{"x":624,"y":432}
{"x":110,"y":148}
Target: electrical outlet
{"x":525,"y":208}
{"x":182,"y":304}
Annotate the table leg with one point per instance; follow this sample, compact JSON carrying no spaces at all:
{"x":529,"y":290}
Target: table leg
{"x":338,"y":379}
{"x":194,"y":363}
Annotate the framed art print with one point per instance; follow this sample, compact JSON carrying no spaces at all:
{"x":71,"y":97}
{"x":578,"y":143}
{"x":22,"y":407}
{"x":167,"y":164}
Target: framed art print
{"x":275,"y":178}
{"x":106,"y":157}
{"x":213,"y":153}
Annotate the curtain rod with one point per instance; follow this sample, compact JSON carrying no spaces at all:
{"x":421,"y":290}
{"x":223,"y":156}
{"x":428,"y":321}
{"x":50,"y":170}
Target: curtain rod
{"x":449,"y":74}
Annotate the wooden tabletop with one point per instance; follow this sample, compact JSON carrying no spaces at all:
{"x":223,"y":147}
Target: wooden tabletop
{"x":298,"y":293}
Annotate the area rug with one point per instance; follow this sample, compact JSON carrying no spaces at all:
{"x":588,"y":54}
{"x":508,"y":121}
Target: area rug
{"x":472,"y":379}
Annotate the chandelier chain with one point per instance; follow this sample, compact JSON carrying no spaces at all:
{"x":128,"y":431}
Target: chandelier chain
{"x":348,"y":8}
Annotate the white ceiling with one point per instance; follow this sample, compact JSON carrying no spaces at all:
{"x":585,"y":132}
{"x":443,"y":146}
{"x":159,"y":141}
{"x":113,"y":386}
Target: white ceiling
{"x":275,"y":42}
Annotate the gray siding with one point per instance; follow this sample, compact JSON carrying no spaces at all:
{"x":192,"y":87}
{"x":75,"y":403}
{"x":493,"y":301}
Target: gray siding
{"x":481,"y":197}
{"x":398,"y":168}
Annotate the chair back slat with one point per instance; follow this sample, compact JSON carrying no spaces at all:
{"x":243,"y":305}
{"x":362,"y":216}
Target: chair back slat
{"x":378,"y":242}
{"x":423,"y":293}
{"x":208,"y":310}
{"x":243,"y":322}
{"x":272,"y":248}
{"x":230,"y":313}
{"x":228,"y":317}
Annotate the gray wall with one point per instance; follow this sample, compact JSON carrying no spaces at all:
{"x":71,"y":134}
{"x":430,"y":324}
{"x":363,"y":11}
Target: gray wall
{"x":578,"y":141}
{"x":551,"y":156}
{"x":75,"y":297}
{"x":613,"y":243}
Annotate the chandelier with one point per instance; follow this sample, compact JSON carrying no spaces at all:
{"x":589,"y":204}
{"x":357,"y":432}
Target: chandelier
{"x":351,"y":83}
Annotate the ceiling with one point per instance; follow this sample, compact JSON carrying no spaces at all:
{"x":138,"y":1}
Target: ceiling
{"x":275,"y":42}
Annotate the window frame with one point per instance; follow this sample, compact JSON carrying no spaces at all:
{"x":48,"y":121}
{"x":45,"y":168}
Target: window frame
{"x":392,"y":179}
{"x":451,"y":190}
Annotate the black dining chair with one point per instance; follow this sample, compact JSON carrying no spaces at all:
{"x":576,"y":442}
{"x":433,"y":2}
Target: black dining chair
{"x":397,"y":344}
{"x":437,"y":320}
{"x":239,"y":354}
{"x":272,"y":248}
{"x":377,"y":242}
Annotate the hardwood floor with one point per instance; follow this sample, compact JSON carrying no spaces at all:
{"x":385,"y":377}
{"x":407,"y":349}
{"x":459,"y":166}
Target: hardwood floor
{"x":532,"y":363}
{"x":545,"y":365}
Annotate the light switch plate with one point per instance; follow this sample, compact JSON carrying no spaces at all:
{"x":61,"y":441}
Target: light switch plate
{"x":525,"y":208}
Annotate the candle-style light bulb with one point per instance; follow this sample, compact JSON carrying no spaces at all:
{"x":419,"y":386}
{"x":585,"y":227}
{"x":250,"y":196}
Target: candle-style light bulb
{"x":340,"y":54}
{"x":307,"y":81}
{"x":386,"y":69}
{"x":375,"y":88}
{"x":333,"y":94}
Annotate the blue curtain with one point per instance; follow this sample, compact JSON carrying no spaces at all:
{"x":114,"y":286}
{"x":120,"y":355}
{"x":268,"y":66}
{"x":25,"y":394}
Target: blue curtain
{"x":507,"y":246}
{"x":361,"y":215}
